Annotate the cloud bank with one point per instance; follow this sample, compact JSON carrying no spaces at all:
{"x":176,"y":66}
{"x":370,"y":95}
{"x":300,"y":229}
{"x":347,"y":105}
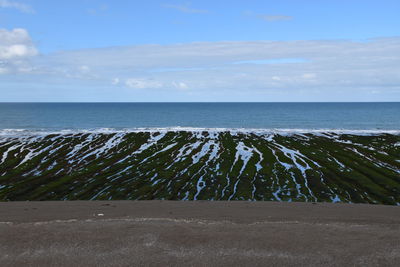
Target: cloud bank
{"x":304,"y":68}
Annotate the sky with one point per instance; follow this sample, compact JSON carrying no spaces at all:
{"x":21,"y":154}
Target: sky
{"x":195,"y":51}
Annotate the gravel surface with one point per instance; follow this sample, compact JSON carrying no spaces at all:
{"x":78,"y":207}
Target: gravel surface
{"x":201,"y":233}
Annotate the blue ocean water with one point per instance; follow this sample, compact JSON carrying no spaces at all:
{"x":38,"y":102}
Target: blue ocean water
{"x":61,"y":116}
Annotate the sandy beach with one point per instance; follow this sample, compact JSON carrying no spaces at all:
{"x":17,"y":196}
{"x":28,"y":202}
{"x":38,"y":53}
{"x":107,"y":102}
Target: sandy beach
{"x":201,"y":233}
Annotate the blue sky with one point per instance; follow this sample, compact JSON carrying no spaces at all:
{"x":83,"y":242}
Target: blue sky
{"x":332,"y":50}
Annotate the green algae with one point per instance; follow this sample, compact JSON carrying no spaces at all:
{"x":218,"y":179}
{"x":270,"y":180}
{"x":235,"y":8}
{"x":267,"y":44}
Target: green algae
{"x":327,"y":168}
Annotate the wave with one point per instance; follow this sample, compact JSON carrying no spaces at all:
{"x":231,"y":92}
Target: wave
{"x":278,"y":131}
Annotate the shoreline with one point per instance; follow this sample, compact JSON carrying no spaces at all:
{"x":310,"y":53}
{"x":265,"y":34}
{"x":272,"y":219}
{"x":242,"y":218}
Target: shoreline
{"x":250,"y":211}
{"x":271,"y":131}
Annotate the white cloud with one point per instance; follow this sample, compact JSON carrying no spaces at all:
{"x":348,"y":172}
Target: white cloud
{"x":15,"y":44}
{"x":16,"y":48}
{"x":84,"y":69}
{"x":115,"y":81}
{"x":186,"y":9}
{"x":138,"y":83}
{"x":3,"y":70}
{"x":180,"y":85}
{"x":16,"y":5}
{"x":268,"y":17}
{"x":273,"y":18}
{"x":15,"y":36}
{"x":98,"y":10}
{"x":309,"y":75}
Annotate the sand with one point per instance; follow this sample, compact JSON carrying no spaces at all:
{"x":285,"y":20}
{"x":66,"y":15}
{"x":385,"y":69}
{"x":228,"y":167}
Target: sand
{"x":201,"y":233}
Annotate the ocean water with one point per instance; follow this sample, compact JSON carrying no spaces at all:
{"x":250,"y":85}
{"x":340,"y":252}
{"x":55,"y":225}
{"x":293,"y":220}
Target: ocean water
{"x":120,"y":116}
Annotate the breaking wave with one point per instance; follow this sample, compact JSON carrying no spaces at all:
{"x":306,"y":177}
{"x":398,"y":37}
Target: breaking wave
{"x":277,"y":131}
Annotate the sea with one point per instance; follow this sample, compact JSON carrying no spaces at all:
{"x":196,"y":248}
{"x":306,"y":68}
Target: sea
{"x":125,"y":116}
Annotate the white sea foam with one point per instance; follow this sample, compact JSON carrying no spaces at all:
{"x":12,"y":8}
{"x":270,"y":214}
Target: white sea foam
{"x":26,"y":132}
